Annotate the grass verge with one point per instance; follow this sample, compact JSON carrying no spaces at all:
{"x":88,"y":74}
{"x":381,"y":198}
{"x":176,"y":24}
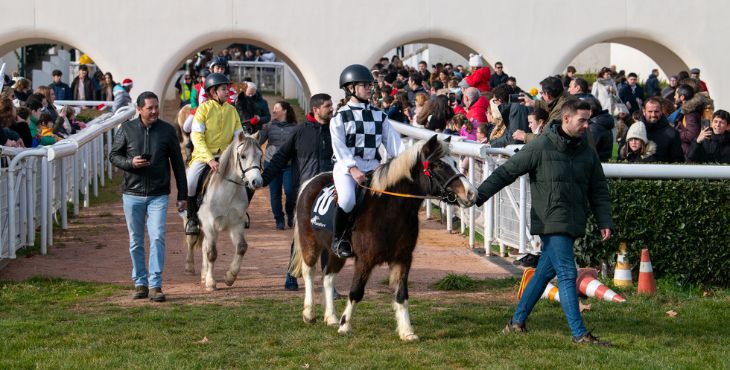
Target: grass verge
{"x":50,"y":323}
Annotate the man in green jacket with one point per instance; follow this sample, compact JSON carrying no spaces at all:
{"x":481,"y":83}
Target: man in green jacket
{"x":565,"y":178}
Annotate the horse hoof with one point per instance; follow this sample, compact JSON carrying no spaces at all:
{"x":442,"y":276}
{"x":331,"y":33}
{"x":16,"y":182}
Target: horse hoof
{"x":230,"y":279}
{"x":331,"y":322}
{"x":189,"y":272}
{"x":309,"y":320}
{"x":345,"y":329}
{"x":409,"y":337}
{"x":211,"y":288}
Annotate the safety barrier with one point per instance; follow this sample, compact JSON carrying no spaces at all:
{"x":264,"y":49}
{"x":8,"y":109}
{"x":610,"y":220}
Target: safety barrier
{"x":503,"y":219}
{"x":270,"y":77}
{"x":38,"y":184}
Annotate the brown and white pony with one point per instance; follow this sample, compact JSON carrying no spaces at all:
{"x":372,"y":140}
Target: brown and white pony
{"x":182,"y":136}
{"x":385,"y":229}
{"x":224,"y":207}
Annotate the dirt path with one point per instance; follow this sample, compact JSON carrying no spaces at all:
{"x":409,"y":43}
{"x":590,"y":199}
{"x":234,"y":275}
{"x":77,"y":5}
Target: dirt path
{"x":95,"y":248}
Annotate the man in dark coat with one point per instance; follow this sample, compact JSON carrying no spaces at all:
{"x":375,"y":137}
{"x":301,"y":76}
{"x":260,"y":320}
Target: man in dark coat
{"x":309,"y":149}
{"x":565,"y":177}
{"x":252,"y":108}
{"x":632,"y":94}
{"x":658,"y":130}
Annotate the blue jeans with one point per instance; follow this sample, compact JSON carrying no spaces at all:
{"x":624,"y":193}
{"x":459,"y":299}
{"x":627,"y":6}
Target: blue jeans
{"x":154,"y":210}
{"x":282,"y":179}
{"x":557,"y":259}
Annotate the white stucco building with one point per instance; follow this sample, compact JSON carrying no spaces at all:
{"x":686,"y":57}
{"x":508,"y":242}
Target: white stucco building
{"x":148,"y":40}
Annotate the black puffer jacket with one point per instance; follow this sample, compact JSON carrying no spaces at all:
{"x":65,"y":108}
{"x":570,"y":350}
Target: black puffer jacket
{"x":668,"y":142}
{"x":601,"y":126}
{"x":714,"y":149}
{"x":160,"y":141}
{"x":309,"y":149}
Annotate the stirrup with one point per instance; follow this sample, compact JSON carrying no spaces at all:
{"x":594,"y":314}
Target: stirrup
{"x":342,"y":248}
{"x":191,"y":227}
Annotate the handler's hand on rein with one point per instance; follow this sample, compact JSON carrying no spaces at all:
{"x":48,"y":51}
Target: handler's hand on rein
{"x":605,"y":234}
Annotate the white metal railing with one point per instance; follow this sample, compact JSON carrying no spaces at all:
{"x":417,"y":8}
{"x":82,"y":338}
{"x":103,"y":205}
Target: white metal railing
{"x":37,"y":183}
{"x":270,"y":77}
{"x":504,"y":217}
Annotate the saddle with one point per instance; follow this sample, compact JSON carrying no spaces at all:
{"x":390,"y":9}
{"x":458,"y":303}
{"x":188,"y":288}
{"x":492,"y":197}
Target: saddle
{"x":323,"y":211}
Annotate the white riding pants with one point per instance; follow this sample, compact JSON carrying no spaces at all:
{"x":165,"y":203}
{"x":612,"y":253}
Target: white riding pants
{"x":193,"y":173}
{"x":345,"y":186}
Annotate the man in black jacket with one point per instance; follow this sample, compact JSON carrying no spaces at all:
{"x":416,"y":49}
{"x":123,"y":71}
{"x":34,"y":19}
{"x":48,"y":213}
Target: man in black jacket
{"x":310,"y":151}
{"x":144,"y":149}
{"x":667,"y":140}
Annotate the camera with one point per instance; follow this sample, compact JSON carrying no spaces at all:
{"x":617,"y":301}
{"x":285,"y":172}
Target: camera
{"x":515,"y":98}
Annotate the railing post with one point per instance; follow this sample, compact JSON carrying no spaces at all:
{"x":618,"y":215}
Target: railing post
{"x":109,"y":141}
{"x":64,"y":196}
{"x":523,"y":213}
{"x":75,"y":185}
{"x":488,"y":212}
{"x":51,"y":195}
{"x":94,"y":166}
{"x":44,"y":206}
{"x":30,"y":196}
{"x":472,"y":209}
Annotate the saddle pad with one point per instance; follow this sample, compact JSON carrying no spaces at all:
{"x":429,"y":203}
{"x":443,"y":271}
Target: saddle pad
{"x":323,"y":211}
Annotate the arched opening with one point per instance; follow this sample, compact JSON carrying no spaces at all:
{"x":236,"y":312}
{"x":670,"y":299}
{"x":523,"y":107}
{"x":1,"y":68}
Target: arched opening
{"x":35,"y":59}
{"x":274,"y":74}
{"x":631,"y":54}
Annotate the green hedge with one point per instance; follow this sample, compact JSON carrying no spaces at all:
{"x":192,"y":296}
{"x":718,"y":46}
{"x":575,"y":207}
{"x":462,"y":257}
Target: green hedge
{"x":685,"y":224}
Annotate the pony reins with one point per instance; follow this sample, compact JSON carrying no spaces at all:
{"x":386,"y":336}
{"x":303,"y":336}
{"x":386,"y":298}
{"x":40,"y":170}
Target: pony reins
{"x":426,"y":172}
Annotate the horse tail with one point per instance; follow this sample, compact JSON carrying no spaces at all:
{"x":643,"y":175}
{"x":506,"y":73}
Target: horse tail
{"x":182,"y":115}
{"x":295,"y":262}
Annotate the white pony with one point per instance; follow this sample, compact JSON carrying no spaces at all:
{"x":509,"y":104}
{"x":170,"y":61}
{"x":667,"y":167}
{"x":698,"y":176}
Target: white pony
{"x":224,"y":207}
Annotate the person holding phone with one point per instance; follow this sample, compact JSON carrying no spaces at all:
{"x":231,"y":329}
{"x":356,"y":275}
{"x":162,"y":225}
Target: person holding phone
{"x":713,"y":142}
{"x":145,"y":148}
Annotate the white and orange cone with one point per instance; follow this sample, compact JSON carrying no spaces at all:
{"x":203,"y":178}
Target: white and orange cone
{"x":550,"y":293}
{"x":622,"y":273}
{"x":589,"y":285}
{"x":647,"y":284}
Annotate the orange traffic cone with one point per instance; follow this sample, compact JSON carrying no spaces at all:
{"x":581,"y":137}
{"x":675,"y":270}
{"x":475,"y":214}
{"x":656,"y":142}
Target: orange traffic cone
{"x":647,"y":285}
{"x":550,"y":293}
{"x":589,"y":286}
{"x":622,"y":273}
{"x":526,"y":276}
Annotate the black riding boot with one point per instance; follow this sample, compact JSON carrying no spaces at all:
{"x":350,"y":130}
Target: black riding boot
{"x":340,"y":242}
{"x":191,"y":227}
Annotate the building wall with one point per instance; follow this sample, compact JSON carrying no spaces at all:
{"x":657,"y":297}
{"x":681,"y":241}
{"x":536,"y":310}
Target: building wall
{"x":147,"y":40}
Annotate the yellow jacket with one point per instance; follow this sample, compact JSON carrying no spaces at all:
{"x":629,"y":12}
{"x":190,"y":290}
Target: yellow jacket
{"x":213,"y":128}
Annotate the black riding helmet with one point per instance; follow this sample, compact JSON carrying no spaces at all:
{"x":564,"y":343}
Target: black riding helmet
{"x":355,"y":73}
{"x":215,"y":79}
{"x":219,"y":61}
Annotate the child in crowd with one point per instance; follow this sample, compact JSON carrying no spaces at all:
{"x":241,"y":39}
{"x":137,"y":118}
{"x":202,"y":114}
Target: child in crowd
{"x":455,"y":124}
{"x":421,"y":99}
{"x":638,"y":148}
{"x":45,"y":126}
{"x":469,"y":130}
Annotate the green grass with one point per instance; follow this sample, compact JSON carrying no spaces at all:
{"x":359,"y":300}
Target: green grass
{"x":469,"y":284}
{"x":64,"y":324}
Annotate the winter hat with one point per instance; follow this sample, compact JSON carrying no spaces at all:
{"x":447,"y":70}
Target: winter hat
{"x":250,"y":85}
{"x":475,"y":60}
{"x":637,"y":131}
{"x":127,"y":82}
{"x":118,"y":89}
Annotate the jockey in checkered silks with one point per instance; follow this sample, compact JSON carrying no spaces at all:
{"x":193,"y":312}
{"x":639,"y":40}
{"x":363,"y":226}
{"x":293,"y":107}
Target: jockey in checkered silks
{"x":357,"y":129}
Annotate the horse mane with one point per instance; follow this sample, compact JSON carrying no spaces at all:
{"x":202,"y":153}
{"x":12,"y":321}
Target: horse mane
{"x":227,"y":160}
{"x":400,"y":167}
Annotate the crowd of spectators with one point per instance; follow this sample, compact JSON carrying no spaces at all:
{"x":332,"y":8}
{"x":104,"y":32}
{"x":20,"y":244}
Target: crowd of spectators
{"x":647,"y":122}
{"x":29,"y":118}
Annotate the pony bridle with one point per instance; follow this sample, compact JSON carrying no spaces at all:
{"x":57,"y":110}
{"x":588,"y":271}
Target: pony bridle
{"x":441,"y":184}
{"x":243,"y":171}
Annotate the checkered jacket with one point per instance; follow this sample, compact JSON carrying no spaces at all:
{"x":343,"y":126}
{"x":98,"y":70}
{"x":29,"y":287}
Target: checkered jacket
{"x":357,"y":132}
